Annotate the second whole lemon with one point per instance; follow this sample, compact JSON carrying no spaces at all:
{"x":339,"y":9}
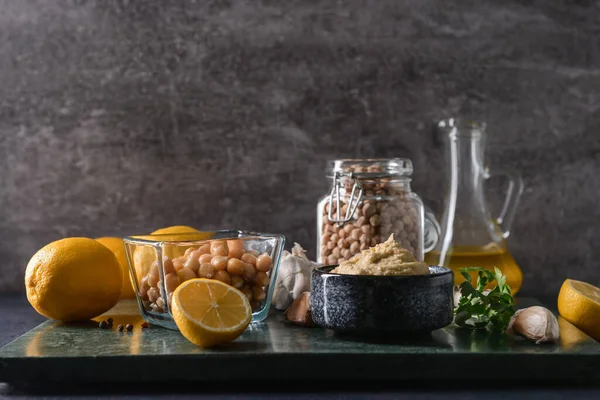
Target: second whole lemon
{"x":175,"y":229}
{"x":115,"y":245}
{"x":73,"y":279}
{"x":144,"y":256}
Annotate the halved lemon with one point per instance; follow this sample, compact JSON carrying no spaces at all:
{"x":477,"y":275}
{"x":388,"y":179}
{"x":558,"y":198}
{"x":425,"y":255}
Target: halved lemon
{"x":579,"y":303}
{"x":209,"y":312}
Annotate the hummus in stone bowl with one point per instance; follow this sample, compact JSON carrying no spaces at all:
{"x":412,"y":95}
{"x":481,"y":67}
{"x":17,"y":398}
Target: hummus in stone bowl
{"x":383,"y":290}
{"x":386,"y":259}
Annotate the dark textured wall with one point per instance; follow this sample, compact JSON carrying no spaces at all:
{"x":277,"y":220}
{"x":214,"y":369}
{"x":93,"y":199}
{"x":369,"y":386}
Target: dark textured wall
{"x":120,"y":117}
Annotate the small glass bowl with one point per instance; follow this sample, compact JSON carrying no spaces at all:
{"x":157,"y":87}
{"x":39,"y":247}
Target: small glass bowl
{"x":159,"y":263}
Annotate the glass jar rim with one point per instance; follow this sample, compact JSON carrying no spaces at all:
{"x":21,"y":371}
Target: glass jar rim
{"x":390,"y":166}
{"x":462,"y":127}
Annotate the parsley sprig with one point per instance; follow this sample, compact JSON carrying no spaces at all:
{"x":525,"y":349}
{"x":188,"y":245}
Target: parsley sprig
{"x":478,"y":309}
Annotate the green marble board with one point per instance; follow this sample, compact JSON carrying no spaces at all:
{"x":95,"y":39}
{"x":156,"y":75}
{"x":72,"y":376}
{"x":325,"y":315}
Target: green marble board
{"x":277,"y":350}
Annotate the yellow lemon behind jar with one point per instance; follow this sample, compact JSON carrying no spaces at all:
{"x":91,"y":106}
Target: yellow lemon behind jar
{"x":579,"y":303}
{"x":175,"y":229}
{"x":144,"y":256}
{"x":73,"y":279}
{"x":115,"y":245}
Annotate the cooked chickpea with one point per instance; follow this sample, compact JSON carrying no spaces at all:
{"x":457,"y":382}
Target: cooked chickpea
{"x":204,"y":249}
{"x":330,"y":245}
{"x":264,"y":262}
{"x":335,"y":237}
{"x":261,"y":278}
{"x":354,"y":248}
{"x":236,"y":252}
{"x":235,"y":266}
{"x":153,"y":275}
{"x":177,"y":264}
{"x":205,"y":258}
{"x":222,"y":276}
{"x":195,"y":255}
{"x":348,"y":228}
{"x":237,"y":281}
{"x":249,"y":258}
{"x":185,"y":274}
{"x":219,"y":262}
{"x":171,"y":282}
{"x":247,"y":290}
{"x":160,"y":304}
{"x":249,"y":272}
{"x":340,"y":260}
{"x":153,"y":294}
{"x":189,"y":250}
{"x":206,"y":271}
{"x":192,"y":263}
{"x":167,"y":265}
{"x":236,"y":248}
{"x":219,"y":248}
{"x":331,"y":259}
{"x":258,"y":293}
{"x":144,"y":288}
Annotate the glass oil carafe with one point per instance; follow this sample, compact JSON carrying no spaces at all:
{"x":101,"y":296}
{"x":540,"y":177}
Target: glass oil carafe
{"x":470,"y":235}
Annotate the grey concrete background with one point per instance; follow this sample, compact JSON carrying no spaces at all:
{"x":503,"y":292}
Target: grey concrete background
{"x":121,"y":117}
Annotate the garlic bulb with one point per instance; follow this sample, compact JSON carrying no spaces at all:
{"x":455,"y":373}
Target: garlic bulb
{"x":293,"y":277}
{"x":537,"y":324}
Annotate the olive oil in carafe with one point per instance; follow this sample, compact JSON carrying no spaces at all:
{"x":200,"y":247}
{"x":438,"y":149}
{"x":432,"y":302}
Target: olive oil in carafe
{"x":488,"y":257}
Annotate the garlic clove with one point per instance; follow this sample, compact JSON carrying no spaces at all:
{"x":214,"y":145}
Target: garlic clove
{"x":536,"y":323}
{"x":299,"y":312}
{"x":457,"y":295}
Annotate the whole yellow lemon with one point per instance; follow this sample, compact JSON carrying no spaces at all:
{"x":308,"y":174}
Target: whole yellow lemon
{"x":115,"y":245}
{"x":73,"y":279}
{"x":145,"y":256}
{"x":175,"y":229}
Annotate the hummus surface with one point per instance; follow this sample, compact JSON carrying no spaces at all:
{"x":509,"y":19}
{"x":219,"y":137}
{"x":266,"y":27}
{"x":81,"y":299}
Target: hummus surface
{"x":388,"y":259}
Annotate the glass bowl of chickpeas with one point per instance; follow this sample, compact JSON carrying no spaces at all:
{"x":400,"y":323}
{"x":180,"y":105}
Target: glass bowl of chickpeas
{"x":158,"y":264}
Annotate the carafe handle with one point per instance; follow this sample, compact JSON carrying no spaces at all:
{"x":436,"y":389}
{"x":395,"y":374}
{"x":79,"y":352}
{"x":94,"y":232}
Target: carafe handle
{"x":431,"y":230}
{"x":511,"y":202}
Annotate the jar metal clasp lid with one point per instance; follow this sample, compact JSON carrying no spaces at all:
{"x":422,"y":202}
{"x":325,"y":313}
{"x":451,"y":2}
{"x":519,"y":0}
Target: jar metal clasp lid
{"x":353,"y":201}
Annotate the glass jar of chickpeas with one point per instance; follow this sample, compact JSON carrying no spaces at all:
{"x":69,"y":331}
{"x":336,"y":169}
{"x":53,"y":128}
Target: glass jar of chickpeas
{"x":158,"y":264}
{"x":370,"y":199}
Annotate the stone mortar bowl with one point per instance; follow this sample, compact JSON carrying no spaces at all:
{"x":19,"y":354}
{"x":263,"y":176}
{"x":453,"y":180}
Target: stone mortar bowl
{"x":382,"y":305}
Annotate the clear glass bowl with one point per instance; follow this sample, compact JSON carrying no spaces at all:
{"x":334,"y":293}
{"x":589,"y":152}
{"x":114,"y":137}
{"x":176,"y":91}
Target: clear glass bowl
{"x":159,"y":263}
